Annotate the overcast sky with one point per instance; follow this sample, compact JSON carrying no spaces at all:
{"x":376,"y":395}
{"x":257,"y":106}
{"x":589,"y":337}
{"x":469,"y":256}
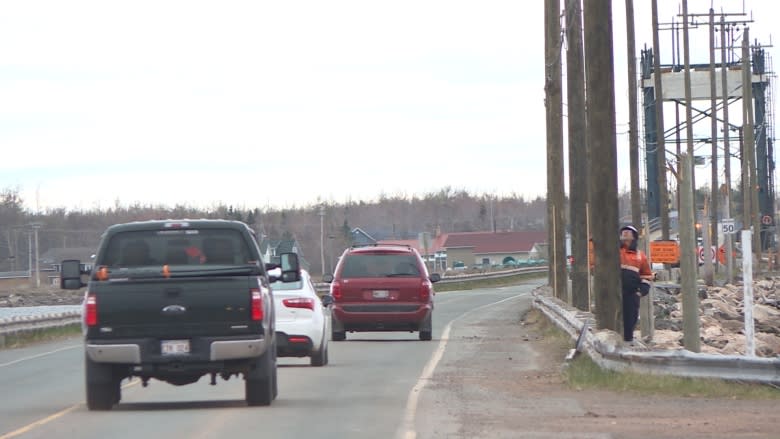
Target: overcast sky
{"x":270,"y":103}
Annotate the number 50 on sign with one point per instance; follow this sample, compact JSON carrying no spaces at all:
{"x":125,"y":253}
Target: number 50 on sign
{"x":727,"y":226}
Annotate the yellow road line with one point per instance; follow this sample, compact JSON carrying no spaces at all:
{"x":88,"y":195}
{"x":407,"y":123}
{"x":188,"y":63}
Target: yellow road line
{"x":59,"y":414}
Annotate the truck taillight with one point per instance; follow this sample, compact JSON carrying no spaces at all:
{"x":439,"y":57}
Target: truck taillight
{"x":257,"y":304}
{"x":335,"y":290}
{"x":90,"y":310}
{"x":425,"y":291}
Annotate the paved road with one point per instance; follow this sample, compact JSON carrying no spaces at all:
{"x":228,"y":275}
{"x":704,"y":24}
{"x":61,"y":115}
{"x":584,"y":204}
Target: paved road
{"x":372,"y":388}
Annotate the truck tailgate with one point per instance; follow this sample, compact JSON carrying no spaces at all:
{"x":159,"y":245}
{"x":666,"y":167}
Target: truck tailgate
{"x":215,"y":306}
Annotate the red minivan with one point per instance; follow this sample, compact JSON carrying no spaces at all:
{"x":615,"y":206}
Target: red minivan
{"x":381,"y":287}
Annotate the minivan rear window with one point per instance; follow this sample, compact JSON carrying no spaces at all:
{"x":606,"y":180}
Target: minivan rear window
{"x":176,"y":247}
{"x":380,"y":265}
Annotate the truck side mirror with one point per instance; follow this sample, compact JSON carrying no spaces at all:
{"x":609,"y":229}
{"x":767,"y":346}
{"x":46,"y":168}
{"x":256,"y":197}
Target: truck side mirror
{"x":70,"y":275}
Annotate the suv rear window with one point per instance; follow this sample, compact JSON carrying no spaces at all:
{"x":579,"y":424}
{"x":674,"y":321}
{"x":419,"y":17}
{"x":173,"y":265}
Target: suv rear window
{"x":380,"y":265}
{"x":176,"y":247}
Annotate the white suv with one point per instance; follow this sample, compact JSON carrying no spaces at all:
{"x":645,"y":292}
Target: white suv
{"x":302,"y":320}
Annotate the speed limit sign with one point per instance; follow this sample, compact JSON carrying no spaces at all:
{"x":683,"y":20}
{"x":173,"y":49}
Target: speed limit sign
{"x":727,"y":226}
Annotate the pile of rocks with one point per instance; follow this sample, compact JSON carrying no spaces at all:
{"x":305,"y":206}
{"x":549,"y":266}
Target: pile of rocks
{"x":721,"y":311}
{"x":44,"y":296}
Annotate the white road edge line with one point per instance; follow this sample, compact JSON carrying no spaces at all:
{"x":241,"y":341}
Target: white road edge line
{"x":407,"y":430}
{"x":42,"y":354}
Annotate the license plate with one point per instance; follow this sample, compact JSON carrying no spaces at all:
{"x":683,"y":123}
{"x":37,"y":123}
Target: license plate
{"x":381,"y":294}
{"x":175,"y":347}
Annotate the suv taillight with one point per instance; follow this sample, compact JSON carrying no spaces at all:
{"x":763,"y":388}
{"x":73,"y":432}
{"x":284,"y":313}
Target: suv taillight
{"x":90,"y":310}
{"x":425,"y":290}
{"x":257,"y":304}
{"x":335,"y":290}
{"x":299,"y":302}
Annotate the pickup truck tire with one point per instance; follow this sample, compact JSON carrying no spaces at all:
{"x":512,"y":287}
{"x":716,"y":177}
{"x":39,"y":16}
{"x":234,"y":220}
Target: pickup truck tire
{"x":103,"y":389}
{"x":426,"y":328}
{"x":259,"y":382}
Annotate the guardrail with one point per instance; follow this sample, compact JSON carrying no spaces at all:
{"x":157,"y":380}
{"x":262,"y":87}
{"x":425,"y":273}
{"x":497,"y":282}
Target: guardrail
{"x":32,"y":323}
{"x":14,"y":274}
{"x":20,"y":324}
{"x":323,"y":287}
{"x":604,"y":348}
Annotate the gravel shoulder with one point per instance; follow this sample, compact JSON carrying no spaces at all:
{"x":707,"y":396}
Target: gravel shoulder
{"x":501,"y":377}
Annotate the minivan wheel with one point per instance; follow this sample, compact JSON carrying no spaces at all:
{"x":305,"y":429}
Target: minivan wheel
{"x":337,"y":332}
{"x":426,"y":328}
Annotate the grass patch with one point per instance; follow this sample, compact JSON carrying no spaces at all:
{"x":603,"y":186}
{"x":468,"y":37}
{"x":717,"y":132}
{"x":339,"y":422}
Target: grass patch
{"x":26,"y":338}
{"x":584,"y":373}
{"x":487,"y":283}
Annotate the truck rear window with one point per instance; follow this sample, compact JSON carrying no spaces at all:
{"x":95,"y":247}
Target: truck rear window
{"x":176,"y":247}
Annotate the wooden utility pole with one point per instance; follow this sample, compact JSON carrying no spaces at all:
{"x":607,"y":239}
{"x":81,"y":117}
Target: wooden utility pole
{"x":555,"y":193}
{"x":633,"y":132}
{"x":600,"y":85}
{"x":750,"y":196}
{"x":663,"y":195}
{"x":714,"y":138}
{"x":726,"y":147}
{"x":578,"y":155}
{"x":690,"y":294}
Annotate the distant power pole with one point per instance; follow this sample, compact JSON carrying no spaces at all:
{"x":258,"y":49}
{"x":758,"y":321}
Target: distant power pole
{"x":714,"y":137}
{"x":633,"y":133}
{"x":600,"y":86}
{"x":726,"y":146}
{"x":663,"y":194}
{"x":578,"y":154}
{"x":556,"y":224}
{"x":322,"y":238}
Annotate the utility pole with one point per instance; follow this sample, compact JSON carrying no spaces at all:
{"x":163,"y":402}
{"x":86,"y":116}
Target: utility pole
{"x":322,"y":238}
{"x":690,"y":294}
{"x":600,"y":86}
{"x":578,"y":155}
{"x":714,"y":137}
{"x":555,"y":194}
{"x":633,"y":133}
{"x":749,"y":152}
{"x":726,"y":147}
{"x":35,"y":227}
{"x":663,"y":195}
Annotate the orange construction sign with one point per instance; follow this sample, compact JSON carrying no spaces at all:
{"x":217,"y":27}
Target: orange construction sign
{"x":664,"y":252}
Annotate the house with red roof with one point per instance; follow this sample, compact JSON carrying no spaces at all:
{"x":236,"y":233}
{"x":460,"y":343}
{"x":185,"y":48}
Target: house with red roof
{"x":494,"y":248}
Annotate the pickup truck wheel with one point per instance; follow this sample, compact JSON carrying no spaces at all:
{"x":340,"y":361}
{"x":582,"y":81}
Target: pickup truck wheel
{"x":259,"y":382}
{"x":426,"y":328}
{"x":103,"y":389}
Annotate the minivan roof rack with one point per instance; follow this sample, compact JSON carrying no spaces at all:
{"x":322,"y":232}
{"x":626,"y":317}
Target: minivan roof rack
{"x":378,"y":244}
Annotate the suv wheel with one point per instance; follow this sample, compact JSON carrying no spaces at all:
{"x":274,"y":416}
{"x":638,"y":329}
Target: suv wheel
{"x":426,"y":328}
{"x":320,"y":358}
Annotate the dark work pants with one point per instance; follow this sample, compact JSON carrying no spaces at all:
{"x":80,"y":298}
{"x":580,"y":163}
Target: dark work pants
{"x":630,"y":314}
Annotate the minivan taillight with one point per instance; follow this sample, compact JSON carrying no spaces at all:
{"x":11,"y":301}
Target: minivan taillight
{"x":425,"y":291}
{"x":90,"y":310}
{"x":335,"y":290}
{"x":257,"y":304}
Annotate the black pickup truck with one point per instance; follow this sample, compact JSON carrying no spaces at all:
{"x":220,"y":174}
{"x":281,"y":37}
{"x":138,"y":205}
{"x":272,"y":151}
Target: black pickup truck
{"x":176,"y":300}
